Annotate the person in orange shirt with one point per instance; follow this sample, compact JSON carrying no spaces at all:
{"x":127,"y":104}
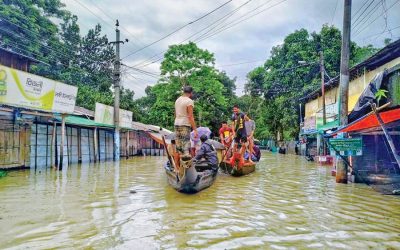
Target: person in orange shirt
{"x":225,"y":134}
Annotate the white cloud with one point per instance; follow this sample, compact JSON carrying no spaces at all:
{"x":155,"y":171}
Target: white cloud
{"x":248,"y":41}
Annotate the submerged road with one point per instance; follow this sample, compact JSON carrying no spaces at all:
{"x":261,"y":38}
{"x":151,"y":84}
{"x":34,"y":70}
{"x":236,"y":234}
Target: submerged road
{"x":288,"y":203}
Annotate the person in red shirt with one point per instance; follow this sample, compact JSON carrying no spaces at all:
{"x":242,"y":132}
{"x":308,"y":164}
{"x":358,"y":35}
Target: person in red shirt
{"x":226,"y":134}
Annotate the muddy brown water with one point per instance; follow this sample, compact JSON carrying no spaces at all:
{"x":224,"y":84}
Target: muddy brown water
{"x":288,"y":203}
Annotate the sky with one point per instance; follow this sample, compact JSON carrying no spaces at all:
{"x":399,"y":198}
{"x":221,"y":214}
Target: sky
{"x":241,"y":33}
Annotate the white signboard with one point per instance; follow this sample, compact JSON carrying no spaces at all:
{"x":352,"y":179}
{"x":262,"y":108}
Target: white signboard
{"x":22,"y":89}
{"x":105,"y":114}
{"x":331,"y":110}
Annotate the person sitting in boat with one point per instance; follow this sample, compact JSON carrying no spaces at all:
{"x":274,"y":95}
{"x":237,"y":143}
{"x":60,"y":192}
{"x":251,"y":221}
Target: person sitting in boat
{"x":225,"y":134}
{"x":250,"y":126}
{"x":207,"y":152}
{"x":195,"y":142}
{"x":239,"y":130}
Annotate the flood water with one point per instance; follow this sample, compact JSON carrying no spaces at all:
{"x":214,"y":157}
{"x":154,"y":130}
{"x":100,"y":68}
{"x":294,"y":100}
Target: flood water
{"x":288,"y":203}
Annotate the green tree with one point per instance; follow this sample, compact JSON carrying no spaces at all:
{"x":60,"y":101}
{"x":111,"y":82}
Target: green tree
{"x":186,"y":64}
{"x":284,"y":80}
{"x":29,"y":27}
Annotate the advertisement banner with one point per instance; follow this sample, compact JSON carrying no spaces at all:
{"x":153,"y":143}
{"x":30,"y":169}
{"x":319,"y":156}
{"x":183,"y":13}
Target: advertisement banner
{"x":22,"y":89}
{"x":105,"y":114}
{"x":332,"y":117}
{"x":309,"y":123}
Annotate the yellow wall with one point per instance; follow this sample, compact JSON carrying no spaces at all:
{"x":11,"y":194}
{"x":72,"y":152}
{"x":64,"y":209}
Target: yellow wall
{"x":314,"y":105}
{"x":356,"y":87}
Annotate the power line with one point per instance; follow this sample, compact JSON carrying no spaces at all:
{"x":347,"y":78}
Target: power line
{"x":356,"y":18}
{"x":362,"y":29}
{"x":201,"y":38}
{"x":368,"y":16}
{"x":244,"y":15}
{"x":334,"y":13}
{"x":94,"y":14}
{"x":381,"y":33}
{"x":151,"y":61}
{"x":151,"y":74}
{"x":178,"y":29}
{"x":38,"y":43}
{"x":223,"y":19}
{"x":17,"y":45}
{"x":43,"y":62}
{"x":123,"y":28}
{"x":38,"y":36}
{"x":240,"y":21}
{"x":385,"y":16}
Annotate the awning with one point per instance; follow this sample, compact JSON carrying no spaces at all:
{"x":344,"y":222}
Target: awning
{"x":310,"y":132}
{"x":370,"y":121}
{"x":80,"y":121}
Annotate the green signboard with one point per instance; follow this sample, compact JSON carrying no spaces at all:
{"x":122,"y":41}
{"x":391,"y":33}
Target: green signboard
{"x":346,"y":146}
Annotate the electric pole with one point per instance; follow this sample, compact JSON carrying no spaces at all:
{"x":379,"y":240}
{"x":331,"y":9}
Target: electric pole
{"x":322,"y":69}
{"x":116,"y":79}
{"x":341,"y":167}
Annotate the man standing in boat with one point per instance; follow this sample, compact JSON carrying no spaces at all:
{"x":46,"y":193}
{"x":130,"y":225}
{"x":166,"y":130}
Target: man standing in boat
{"x":250,"y":126}
{"x":184,"y":122}
{"x":239,"y":129}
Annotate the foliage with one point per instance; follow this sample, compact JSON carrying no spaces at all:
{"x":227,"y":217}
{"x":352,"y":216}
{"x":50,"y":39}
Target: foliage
{"x":30,"y":28}
{"x":283,"y":80}
{"x":381,"y":93}
{"x":186,"y":64}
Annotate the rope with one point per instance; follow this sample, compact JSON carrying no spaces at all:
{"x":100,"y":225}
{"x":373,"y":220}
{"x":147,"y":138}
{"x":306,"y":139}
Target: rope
{"x":182,"y":169}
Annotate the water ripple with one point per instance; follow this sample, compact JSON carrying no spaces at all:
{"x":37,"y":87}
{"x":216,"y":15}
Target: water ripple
{"x":288,"y":203}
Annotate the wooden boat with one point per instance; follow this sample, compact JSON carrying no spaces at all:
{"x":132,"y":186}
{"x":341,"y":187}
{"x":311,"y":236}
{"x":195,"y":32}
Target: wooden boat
{"x":192,"y":177}
{"x":237,"y":165}
{"x":196,"y":177}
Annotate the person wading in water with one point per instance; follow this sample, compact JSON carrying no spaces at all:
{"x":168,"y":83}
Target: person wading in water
{"x":184,"y":122}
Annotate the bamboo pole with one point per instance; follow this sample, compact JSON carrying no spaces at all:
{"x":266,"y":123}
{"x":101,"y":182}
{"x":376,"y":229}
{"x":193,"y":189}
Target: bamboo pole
{"x":60,"y":164}
{"x":95,"y":141}
{"x":127,"y":144}
{"x":386,"y":132}
{"x":53,"y":145}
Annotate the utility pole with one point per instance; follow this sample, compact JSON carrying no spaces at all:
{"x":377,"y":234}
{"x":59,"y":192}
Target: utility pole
{"x":320,"y":137}
{"x":322,"y":69}
{"x":341,"y":167}
{"x":117,"y":78}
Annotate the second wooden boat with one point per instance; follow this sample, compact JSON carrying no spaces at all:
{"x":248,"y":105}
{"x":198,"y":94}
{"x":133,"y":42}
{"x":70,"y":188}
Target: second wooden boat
{"x":237,"y":165}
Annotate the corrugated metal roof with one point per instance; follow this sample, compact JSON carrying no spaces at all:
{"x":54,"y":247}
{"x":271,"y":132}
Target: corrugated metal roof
{"x":149,"y":128}
{"x":21,"y":55}
{"x":82,"y":111}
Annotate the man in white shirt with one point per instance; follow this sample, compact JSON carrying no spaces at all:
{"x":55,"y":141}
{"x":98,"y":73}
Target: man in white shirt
{"x":184,"y":121}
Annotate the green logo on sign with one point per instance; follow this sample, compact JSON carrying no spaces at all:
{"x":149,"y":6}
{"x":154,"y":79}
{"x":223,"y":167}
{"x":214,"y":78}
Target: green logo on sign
{"x":3,"y":83}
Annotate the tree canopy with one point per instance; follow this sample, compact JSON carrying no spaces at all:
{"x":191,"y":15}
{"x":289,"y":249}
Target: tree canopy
{"x":187,"y":64}
{"x":46,"y":31}
{"x":290,"y":72}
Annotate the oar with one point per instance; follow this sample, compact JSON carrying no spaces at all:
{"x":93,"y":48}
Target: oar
{"x":171,"y":161}
{"x":230,"y":144}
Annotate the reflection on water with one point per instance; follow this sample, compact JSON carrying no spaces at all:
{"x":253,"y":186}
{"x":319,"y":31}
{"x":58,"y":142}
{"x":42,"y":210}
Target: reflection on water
{"x":286,"y":203}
